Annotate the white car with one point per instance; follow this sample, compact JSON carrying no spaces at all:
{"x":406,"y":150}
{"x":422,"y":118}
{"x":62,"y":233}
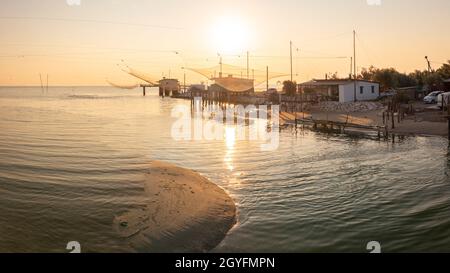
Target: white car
{"x":432,"y":97}
{"x":446,"y":99}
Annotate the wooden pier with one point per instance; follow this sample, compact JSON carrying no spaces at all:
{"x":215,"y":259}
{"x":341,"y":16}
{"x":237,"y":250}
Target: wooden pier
{"x":144,"y":86}
{"x":341,"y":127}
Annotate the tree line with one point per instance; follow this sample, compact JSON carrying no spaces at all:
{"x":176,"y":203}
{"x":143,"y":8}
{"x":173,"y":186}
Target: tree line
{"x":390,"y":78}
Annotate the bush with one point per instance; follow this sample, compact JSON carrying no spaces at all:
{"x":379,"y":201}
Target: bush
{"x":401,"y":97}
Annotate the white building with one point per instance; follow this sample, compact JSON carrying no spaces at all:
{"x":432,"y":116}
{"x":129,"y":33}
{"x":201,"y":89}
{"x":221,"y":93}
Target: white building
{"x":342,"y":90}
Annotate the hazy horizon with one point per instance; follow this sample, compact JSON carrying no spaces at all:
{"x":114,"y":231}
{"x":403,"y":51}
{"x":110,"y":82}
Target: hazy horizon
{"x":83,"y":45}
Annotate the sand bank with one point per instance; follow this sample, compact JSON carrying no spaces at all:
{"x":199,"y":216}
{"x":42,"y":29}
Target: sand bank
{"x":184,"y":212}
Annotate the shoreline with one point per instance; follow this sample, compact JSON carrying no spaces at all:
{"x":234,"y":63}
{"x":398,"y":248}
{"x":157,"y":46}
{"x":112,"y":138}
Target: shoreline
{"x":411,"y":126}
{"x":183,"y":212}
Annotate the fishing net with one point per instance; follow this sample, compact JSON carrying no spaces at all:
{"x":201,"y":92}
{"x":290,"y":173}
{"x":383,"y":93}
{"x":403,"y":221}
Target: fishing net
{"x":123,"y":86}
{"x":234,"y":78}
{"x":141,"y":75}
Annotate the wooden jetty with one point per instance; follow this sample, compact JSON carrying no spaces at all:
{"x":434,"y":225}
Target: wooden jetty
{"x":341,"y":126}
{"x":144,"y":86}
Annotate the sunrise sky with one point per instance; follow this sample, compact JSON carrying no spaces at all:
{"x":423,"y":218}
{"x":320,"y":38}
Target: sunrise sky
{"x":83,"y":45}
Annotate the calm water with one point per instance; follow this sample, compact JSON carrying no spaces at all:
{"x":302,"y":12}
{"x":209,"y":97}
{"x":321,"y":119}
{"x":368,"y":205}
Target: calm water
{"x":72,"y":159}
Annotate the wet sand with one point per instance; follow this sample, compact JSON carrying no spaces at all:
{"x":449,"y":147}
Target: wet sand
{"x":184,"y":212}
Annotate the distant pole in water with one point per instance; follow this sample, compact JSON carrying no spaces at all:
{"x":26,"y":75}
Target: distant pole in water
{"x":42,"y":84}
{"x":267,"y":78}
{"x":47,"y":84}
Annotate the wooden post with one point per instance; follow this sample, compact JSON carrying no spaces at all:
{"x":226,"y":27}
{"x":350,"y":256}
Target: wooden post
{"x":42,"y":84}
{"x":393,"y":120}
{"x":448,"y":127}
{"x":448,"y":116}
{"x":143,"y":90}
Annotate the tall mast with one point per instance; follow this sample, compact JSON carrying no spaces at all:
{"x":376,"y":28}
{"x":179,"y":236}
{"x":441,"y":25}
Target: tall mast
{"x":220,"y":74}
{"x":248,"y":65}
{"x":292,"y":75}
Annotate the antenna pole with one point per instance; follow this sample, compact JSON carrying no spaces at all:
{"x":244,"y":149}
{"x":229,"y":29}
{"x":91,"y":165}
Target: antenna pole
{"x":220,"y":74}
{"x":351,"y":67}
{"x":429,"y":64}
{"x":248,"y":65}
{"x":184,"y":81}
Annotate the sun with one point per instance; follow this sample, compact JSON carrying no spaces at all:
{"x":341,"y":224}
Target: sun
{"x":230,"y":35}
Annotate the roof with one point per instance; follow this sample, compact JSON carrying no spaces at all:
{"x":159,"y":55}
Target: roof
{"x":322,"y":82}
{"x":167,"y":80}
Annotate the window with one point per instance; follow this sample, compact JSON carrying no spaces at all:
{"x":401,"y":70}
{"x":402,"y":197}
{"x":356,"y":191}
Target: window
{"x":373,"y":89}
{"x":361,"y":89}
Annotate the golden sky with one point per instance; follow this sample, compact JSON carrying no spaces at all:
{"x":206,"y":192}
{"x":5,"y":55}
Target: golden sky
{"x":88,"y":43}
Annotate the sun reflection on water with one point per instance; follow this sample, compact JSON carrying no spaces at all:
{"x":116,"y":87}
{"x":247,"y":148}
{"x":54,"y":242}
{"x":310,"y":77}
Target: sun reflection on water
{"x":230,"y":141}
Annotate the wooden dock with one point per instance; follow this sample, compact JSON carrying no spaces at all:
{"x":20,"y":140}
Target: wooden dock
{"x":381,"y":131}
{"x":144,"y":86}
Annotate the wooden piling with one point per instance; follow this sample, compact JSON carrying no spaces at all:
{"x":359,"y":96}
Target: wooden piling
{"x":448,"y":127}
{"x":393,"y":120}
{"x":448,"y":117}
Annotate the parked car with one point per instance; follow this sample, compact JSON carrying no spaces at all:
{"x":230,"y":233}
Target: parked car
{"x":432,"y":97}
{"x":443,"y":100}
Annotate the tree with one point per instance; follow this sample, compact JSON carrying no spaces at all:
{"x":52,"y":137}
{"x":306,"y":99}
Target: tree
{"x":290,"y":88}
{"x":444,"y":71}
{"x":391,"y":78}
{"x":388,"y":77}
{"x":333,"y":76}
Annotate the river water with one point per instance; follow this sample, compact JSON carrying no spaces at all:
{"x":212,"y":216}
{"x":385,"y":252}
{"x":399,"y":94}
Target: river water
{"x":73,"y":158}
